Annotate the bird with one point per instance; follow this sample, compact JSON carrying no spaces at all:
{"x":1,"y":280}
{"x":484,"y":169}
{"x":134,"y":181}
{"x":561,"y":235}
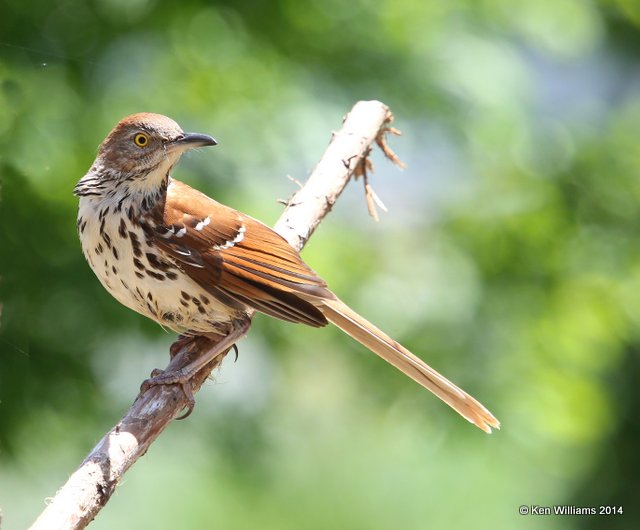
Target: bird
{"x":200,"y":268}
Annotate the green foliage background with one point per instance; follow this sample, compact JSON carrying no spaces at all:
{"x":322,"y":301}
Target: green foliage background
{"x":510,"y":259}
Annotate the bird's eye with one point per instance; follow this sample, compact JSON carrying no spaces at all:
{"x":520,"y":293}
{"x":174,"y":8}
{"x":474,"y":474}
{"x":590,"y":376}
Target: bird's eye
{"x":141,"y":140}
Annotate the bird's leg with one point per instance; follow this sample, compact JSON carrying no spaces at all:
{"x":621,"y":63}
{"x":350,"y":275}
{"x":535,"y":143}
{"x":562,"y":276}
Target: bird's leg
{"x":183,"y":341}
{"x":182,"y":350}
{"x":216,"y":345}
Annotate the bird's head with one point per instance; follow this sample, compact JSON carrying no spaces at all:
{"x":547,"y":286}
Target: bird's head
{"x":139,"y":153}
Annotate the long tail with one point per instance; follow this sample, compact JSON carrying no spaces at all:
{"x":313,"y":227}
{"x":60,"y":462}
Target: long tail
{"x":378,"y":342}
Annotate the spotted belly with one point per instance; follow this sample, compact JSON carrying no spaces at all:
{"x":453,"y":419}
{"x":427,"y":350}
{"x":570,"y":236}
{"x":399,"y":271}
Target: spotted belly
{"x":144,"y":279}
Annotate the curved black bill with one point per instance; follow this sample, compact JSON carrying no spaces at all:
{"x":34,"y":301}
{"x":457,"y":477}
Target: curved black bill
{"x":189,"y":140}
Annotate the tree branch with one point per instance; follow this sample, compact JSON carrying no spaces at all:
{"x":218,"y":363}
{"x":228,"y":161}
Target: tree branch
{"x":78,"y":502}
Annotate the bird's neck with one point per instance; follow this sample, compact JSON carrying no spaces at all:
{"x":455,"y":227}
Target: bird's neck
{"x":138,"y":192}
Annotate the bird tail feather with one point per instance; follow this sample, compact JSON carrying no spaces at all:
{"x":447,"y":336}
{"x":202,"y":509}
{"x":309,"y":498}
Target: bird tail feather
{"x":377,"y":341}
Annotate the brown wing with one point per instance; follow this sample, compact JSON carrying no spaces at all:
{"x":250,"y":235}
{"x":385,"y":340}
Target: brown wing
{"x":238,"y":259}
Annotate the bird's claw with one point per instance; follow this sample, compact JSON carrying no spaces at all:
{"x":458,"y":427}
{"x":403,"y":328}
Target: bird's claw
{"x":191,"y":401}
{"x":181,"y":376}
{"x":161,"y":377}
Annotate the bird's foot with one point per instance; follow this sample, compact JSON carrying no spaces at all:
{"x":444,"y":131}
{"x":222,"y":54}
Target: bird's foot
{"x":209,"y":347}
{"x":180,"y":377}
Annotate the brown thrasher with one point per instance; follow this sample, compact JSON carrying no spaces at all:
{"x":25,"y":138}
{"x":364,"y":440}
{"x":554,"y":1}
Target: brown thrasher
{"x":198,"y":267}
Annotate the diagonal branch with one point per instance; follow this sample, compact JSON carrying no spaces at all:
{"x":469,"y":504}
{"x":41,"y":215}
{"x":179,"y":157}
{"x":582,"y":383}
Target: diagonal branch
{"x":89,"y":488}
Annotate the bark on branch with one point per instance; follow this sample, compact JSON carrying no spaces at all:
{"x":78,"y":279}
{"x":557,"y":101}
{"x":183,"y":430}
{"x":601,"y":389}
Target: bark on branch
{"x":89,"y":488}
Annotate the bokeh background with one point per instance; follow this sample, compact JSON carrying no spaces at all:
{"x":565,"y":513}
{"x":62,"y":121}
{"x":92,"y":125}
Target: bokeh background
{"x":509,"y":259}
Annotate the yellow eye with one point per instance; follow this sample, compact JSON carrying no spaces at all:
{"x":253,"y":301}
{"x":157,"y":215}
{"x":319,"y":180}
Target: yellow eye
{"x":141,"y":140}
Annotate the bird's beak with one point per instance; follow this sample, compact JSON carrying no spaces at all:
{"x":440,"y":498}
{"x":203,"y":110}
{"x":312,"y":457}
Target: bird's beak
{"x":191,"y":140}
